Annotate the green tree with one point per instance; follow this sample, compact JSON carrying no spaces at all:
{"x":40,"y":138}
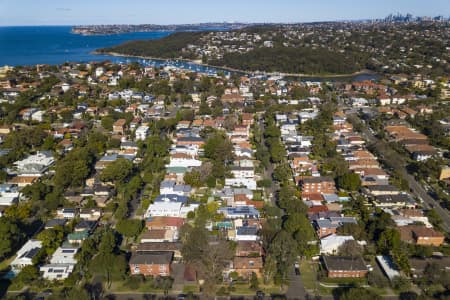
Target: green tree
{"x":350,"y":248}
{"x":25,"y":139}
{"x":130,"y":227}
{"x":355,"y":230}
{"x":289,"y":201}
{"x":349,"y":182}
{"x":27,"y":275}
{"x":389,"y":240}
{"x":19,"y":211}
{"x":193,"y":178}
{"x":108,"y":262}
{"x":51,"y":238}
{"x":36,"y":191}
{"x":254,"y":283}
{"x":401,"y":283}
{"x":209,"y":258}
{"x":282,"y":172}
{"x":117,"y":171}
{"x":219,"y":148}
{"x":11,"y":234}
{"x":74,"y":168}
{"x":283,"y":249}
{"x":270,"y":269}
{"x":266,"y":183}
{"x":204,"y":109}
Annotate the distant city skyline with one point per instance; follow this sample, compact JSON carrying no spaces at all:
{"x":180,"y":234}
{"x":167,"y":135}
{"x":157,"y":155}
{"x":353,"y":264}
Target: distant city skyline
{"x":84,"y":12}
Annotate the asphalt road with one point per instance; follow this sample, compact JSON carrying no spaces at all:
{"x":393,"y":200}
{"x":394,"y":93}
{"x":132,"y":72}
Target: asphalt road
{"x":397,"y":162}
{"x":296,"y":289}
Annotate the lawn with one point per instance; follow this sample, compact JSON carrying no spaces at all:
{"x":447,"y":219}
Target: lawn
{"x":190,"y":289}
{"x":244,"y":289}
{"x":144,"y":287}
{"x":344,"y":281}
{"x":308,"y":272}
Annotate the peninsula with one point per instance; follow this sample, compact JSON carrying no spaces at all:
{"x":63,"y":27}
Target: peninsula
{"x":328,"y":48}
{"x":128,"y":28}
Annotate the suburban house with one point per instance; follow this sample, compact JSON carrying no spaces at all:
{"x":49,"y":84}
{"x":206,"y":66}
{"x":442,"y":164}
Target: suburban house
{"x":77,"y":237}
{"x":35,"y":165}
{"x":9,"y":194}
{"x":249,"y":183}
{"x":325,"y":227}
{"x":184,"y":160}
{"x":249,"y":248}
{"x":159,"y":236}
{"x":173,"y":247}
{"x":418,"y":265}
{"x":377,"y":190}
{"x":246,"y":233}
{"x":61,"y":264}
{"x":141,"y":133}
{"x":245,"y":266}
{"x":343,"y":266}
{"x":67,"y":213}
{"x":171,"y":223}
{"x":151,"y":264}
{"x":171,"y":187}
{"x":330,"y":244}
{"x":240,"y":212}
{"x":243,"y":172}
{"x":189,"y":141}
{"x":91,"y":214}
{"x":390,"y":201}
{"x":170,"y":206}
{"x":119,"y":126}
{"x":421,"y":235}
{"x":24,"y":257}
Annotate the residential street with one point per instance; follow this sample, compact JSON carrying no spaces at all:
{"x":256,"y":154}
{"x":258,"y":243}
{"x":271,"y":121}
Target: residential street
{"x":296,"y":289}
{"x":397,"y":162}
{"x":268,"y":173}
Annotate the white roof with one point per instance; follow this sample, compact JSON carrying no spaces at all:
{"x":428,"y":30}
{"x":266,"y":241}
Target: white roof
{"x":64,"y":255}
{"x":387,"y":266}
{"x":40,"y":158}
{"x":164,"y":209}
{"x":142,"y":129}
{"x":8,"y":199}
{"x":27,"y":252}
{"x":333,"y":242}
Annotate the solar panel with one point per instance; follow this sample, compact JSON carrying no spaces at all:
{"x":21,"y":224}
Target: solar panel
{"x":31,"y":253}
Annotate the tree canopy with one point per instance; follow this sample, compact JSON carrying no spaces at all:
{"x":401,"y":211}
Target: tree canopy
{"x":117,"y":171}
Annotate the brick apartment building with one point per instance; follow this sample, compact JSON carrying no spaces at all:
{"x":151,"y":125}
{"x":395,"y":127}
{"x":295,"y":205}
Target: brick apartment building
{"x":322,"y":184}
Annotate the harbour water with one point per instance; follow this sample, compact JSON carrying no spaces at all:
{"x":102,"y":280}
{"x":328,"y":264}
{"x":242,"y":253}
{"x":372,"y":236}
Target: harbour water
{"x":31,"y":45}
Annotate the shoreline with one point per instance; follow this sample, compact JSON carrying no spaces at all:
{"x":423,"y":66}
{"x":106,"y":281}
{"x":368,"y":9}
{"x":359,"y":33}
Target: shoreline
{"x":362,"y":72}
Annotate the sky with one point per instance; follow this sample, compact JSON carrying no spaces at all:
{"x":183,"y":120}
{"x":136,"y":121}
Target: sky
{"x":83,"y":12}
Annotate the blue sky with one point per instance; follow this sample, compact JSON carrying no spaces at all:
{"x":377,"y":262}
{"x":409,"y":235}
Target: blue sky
{"x":72,"y":12}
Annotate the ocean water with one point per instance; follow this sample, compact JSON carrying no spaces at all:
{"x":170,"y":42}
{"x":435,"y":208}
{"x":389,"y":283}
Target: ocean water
{"x":30,"y":45}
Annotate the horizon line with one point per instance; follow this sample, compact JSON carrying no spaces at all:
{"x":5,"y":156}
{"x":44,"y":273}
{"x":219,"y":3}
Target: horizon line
{"x":222,"y":22}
